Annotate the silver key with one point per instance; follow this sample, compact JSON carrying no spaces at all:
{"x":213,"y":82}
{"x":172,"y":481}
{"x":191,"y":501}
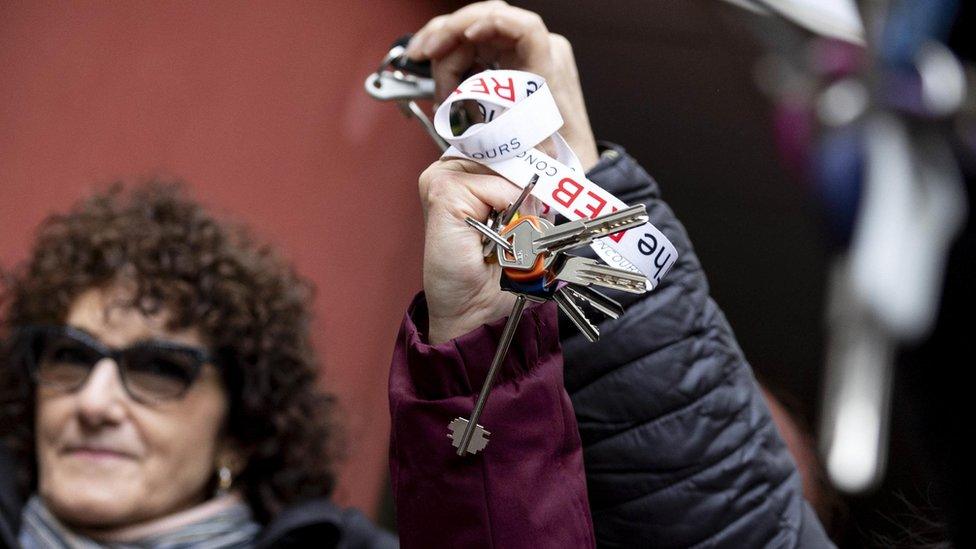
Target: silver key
{"x":473,"y":438}
{"x":568,"y":305}
{"x":586,"y":272}
{"x":486,"y":231}
{"x":504,"y":217}
{"x":596,"y":300}
{"x":583,"y":231}
{"x":522,"y":256}
{"x":513,"y":248}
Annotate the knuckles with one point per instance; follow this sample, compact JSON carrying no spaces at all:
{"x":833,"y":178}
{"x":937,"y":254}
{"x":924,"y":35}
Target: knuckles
{"x":494,"y":4}
{"x":561,"y":51}
{"x":437,"y":23}
{"x":535,"y":20}
{"x":560,"y":43}
{"x":437,"y":185}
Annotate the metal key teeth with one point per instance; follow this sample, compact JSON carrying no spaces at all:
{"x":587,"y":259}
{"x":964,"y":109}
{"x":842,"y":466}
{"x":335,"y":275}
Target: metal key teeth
{"x":580,"y":232}
{"x":611,"y":228}
{"x":568,"y":306}
{"x":631,"y":216}
{"x":619,"y":283}
{"x":596,"y":300}
{"x":584,"y":272}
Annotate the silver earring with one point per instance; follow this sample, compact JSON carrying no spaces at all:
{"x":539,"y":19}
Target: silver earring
{"x":225,"y":480}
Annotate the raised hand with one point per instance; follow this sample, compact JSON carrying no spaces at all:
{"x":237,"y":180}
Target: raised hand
{"x":514,"y":38}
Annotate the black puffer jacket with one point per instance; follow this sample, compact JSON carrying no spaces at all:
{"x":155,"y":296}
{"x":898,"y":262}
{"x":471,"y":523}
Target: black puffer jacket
{"x":679,"y":447}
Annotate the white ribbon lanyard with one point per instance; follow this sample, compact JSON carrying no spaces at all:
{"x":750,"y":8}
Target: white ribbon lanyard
{"x":520,"y":113}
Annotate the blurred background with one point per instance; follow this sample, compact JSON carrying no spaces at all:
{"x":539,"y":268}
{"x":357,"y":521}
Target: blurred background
{"x":259,"y":107}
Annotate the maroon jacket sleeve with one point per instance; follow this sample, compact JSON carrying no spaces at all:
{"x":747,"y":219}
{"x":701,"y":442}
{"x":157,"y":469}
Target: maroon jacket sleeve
{"x":527,"y":488}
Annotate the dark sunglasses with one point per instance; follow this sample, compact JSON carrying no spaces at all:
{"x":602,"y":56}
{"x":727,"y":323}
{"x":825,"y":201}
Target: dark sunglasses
{"x":62,"y":358}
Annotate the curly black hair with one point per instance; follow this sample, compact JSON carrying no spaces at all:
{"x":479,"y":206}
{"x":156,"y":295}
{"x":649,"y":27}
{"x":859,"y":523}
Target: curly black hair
{"x":249,"y":304}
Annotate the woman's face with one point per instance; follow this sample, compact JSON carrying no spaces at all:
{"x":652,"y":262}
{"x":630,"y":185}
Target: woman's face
{"x":105,"y":460}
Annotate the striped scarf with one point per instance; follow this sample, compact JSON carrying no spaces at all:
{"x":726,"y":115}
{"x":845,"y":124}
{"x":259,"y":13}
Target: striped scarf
{"x":230,"y":528}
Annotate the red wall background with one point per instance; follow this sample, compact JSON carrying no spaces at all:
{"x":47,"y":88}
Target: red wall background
{"x":259,"y":106}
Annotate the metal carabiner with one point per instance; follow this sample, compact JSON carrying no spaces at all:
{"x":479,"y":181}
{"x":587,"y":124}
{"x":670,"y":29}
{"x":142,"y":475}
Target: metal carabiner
{"x":400,"y":80}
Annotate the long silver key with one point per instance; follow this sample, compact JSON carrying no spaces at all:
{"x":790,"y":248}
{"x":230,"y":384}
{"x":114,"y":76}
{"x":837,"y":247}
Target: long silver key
{"x":568,"y":305}
{"x":583,"y":231}
{"x":589,"y":272}
{"x":466,"y":435}
{"x":506,"y":215}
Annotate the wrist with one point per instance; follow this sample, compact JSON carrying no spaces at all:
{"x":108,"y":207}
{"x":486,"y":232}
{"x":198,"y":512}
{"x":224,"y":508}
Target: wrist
{"x":589,"y":156}
{"x":442,"y":327}
{"x":585,"y":147}
{"x":459,"y":367}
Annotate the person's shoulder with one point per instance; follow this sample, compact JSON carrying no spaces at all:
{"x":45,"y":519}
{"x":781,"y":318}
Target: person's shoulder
{"x":322,"y":523}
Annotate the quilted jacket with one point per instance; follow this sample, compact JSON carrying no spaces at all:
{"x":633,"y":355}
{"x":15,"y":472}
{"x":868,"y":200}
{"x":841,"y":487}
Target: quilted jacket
{"x":679,"y":447}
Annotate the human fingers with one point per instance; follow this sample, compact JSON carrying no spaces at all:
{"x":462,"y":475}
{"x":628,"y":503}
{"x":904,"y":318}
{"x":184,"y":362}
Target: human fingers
{"x":462,"y":188}
{"x":437,"y":32}
{"x":522,"y":30}
{"x":519,"y":33}
{"x":511,"y":37}
{"x":415,"y":47}
{"x":450,"y":70}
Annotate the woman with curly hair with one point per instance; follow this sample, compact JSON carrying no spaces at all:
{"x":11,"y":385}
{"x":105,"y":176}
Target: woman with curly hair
{"x":158,"y":386}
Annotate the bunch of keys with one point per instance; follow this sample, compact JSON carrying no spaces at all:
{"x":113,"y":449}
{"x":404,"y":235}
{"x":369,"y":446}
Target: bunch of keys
{"x":531,"y":251}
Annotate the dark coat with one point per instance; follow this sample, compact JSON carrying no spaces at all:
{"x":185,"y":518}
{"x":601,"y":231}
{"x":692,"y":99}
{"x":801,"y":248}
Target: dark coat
{"x":679,"y":446}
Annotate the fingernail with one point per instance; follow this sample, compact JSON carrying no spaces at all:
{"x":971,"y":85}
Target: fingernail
{"x":414,"y":46}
